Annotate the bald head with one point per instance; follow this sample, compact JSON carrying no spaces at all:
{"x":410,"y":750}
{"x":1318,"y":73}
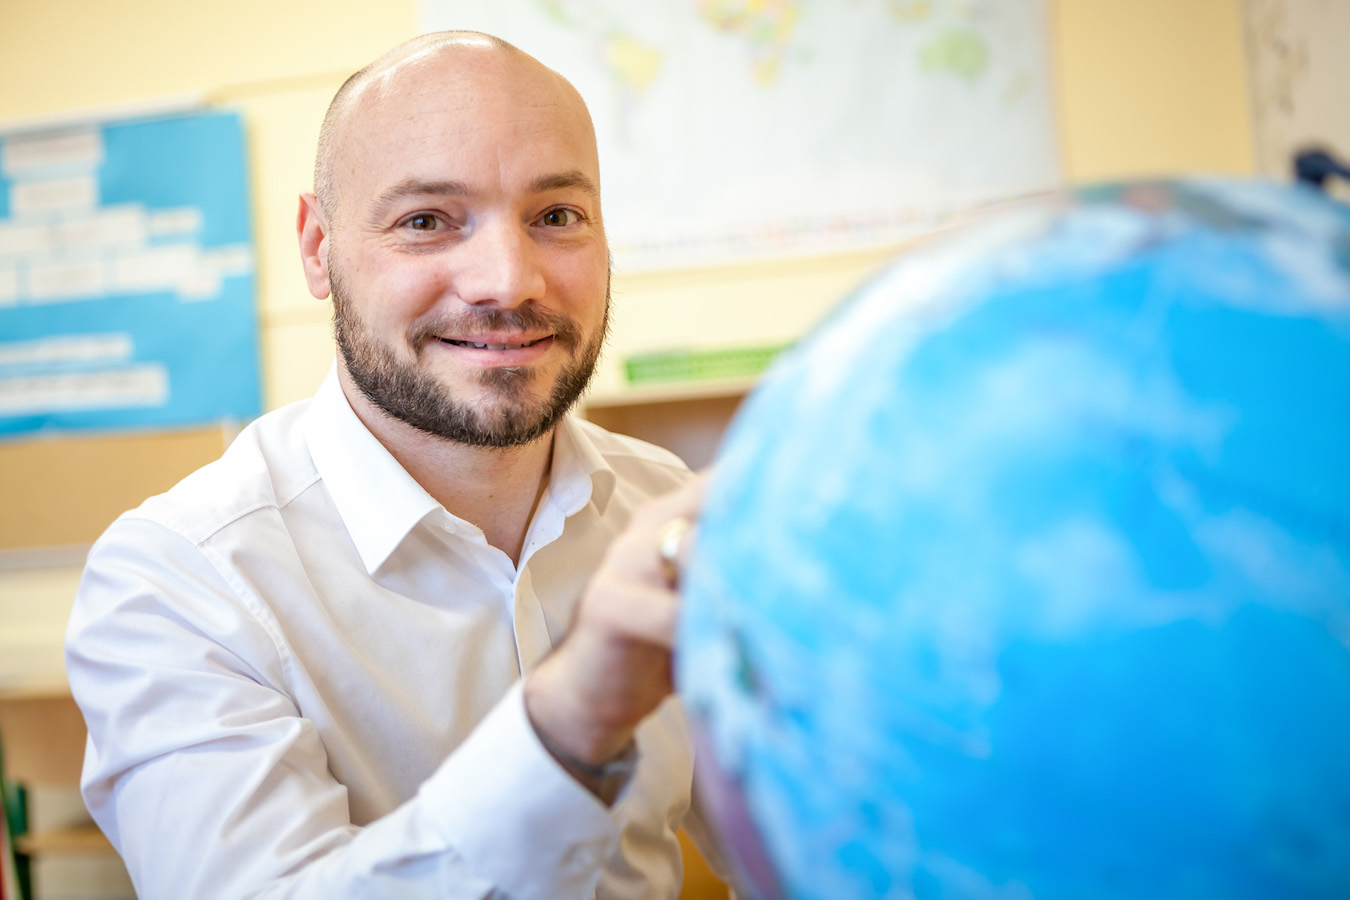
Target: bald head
{"x":442,"y":55}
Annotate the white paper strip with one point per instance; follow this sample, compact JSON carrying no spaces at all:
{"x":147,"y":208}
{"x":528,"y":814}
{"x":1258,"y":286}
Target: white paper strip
{"x":137,"y":387}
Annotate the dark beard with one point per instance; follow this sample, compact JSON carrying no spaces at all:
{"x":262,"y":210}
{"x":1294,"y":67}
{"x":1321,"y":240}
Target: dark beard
{"x":416,"y":398}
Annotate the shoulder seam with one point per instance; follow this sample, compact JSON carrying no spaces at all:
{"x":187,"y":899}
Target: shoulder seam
{"x":177,"y":527}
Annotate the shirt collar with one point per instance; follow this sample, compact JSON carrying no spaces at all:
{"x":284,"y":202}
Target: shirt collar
{"x":380,"y":503}
{"x":378,"y":500}
{"x":580,"y":473}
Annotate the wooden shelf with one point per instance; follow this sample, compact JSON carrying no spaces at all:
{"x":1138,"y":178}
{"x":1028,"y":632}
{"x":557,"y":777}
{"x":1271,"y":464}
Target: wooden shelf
{"x":673,"y":392}
{"x":75,"y":839}
{"x":691,"y":428}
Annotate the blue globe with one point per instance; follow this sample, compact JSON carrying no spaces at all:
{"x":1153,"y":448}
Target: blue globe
{"x":1028,"y":574}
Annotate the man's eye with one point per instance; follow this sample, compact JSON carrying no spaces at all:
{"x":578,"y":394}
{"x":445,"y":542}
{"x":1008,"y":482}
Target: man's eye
{"x":421,"y":222}
{"x":560,"y":217}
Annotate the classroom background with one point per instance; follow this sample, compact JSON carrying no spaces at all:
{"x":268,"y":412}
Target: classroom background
{"x":1139,"y":88}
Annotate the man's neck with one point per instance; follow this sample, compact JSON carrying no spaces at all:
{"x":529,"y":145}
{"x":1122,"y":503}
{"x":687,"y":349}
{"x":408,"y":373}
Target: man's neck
{"x":495,"y":488}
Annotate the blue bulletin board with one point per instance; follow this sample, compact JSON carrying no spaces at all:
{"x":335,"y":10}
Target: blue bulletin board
{"x":127,"y":290}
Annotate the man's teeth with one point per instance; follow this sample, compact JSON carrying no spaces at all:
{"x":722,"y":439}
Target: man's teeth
{"x":478,"y":346}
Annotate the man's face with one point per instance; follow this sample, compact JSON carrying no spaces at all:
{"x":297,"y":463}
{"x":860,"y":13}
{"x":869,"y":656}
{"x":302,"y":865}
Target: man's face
{"x":466,"y":254}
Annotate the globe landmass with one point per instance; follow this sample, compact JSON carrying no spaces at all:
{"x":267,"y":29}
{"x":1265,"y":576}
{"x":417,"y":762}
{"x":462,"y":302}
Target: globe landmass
{"x":1028,"y":574}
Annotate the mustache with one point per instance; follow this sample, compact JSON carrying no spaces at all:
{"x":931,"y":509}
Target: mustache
{"x":526,"y":318}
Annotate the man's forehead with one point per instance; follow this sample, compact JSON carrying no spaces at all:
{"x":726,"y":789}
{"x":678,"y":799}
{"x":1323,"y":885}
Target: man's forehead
{"x":460,"y":72}
{"x":463,"y":87}
{"x":434,"y":106}
{"x":464,"y":47}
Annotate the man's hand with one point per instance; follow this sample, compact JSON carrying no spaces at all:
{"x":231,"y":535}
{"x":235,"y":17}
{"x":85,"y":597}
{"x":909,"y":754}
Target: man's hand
{"x":613,"y":668}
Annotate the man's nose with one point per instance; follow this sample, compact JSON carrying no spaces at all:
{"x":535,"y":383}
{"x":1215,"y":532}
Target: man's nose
{"x":500,"y":265}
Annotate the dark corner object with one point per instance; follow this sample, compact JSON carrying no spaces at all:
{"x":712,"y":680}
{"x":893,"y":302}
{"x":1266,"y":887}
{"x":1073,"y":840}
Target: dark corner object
{"x":1315,"y":165}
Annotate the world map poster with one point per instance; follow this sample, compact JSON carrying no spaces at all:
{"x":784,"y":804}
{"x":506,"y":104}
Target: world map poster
{"x":744,"y":129}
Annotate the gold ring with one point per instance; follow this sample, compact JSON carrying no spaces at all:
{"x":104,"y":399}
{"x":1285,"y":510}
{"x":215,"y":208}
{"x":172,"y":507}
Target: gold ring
{"x":669,"y":541}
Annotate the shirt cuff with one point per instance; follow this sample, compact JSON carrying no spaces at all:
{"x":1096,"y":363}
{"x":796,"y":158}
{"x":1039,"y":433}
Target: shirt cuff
{"x":514,"y":815}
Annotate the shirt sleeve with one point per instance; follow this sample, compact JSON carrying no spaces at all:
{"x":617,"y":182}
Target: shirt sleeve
{"x":211,"y":783}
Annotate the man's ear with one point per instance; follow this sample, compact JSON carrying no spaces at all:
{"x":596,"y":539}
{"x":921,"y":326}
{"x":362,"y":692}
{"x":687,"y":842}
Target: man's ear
{"x":311,"y":227}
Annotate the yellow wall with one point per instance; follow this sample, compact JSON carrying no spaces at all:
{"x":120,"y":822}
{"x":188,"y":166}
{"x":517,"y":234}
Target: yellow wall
{"x":1147,"y":87}
{"x":1142,"y":87}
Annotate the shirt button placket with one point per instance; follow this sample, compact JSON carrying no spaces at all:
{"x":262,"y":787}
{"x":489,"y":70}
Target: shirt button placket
{"x":532,"y":639}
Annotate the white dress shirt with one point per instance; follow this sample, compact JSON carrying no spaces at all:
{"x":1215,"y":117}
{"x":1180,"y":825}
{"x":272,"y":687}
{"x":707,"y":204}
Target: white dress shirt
{"x":301,"y":679}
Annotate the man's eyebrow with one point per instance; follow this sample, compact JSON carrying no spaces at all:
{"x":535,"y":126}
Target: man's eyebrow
{"x":573,"y":179}
{"x":416,"y":187}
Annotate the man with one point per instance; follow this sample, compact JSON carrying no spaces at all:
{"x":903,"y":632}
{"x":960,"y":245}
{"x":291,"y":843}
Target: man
{"x":302,"y":667}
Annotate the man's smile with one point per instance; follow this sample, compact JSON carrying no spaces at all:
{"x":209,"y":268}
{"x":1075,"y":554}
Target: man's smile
{"x":497,"y":349}
{"x":493,"y":346}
